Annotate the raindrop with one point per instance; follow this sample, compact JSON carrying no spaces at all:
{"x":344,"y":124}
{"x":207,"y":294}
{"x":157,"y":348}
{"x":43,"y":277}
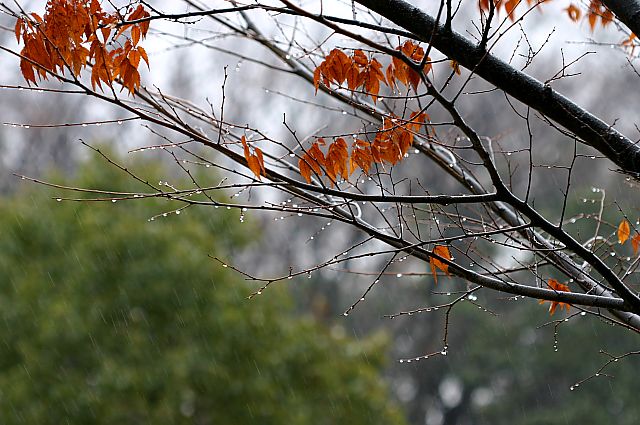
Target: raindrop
{"x":399,"y":275}
{"x":58,"y":199}
{"x":178,"y":212}
{"x":344,"y":112}
{"x":119,"y":122}
{"x":113,"y":200}
{"x":584,"y":313}
{"x":571,"y":388}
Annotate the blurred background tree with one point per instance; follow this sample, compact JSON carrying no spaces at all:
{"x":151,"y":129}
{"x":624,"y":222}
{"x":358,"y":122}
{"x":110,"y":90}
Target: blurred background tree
{"x":109,"y":319}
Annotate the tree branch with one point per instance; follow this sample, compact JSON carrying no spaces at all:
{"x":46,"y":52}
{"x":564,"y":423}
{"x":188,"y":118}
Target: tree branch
{"x":586,"y":126}
{"x":627,"y":11}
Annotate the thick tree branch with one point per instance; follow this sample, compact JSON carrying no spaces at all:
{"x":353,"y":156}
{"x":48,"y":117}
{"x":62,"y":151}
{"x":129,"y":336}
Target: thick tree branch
{"x":586,"y":126}
{"x":627,"y":11}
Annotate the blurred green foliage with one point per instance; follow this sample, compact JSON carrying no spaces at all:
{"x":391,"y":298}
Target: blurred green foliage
{"x":106,"y":318}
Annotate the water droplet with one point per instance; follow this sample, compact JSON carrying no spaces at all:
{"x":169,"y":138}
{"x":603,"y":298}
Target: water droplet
{"x":571,"y":388}
{"x":59,"y":199}
{"x":114,"y":200}
{"x":399,"y":275}
{"x":178,"y":212}
{"x":583,"y":313}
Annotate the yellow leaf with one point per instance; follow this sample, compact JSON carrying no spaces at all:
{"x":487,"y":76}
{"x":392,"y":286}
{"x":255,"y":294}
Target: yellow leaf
{"x":623,"y":231}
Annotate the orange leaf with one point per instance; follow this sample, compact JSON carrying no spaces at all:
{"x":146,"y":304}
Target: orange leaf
{"x":442,"y":251}
{"x":573,"y":12}
{"x":18,"y":29}
{"x":556,"y":286}
{"x":623,"y":231}
{"x":635,"y":243}
{"x":305,"y":170}
{"x":247,"y":153}
{"x":254,"y":165}
{"x":456,"y":66}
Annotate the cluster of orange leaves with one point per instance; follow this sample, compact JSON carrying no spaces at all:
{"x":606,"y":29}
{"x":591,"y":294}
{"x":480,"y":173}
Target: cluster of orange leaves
{"x":508,"y":5}
{"x":255,"y":160}
{"x":389,"y":146}
{"x":74,"y":34}
{"x":624,"y":232}
{"x":392,"y":141}
{"x":556,"y":286}
{"x":596,"y":11}
{"x":360,"y":71}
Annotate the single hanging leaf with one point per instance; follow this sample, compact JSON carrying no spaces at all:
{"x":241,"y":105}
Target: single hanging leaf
{"x":635,"y":243}
{"x":556,"y":286}
{"x":442,"y":251}
{"x":623,"y":231}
